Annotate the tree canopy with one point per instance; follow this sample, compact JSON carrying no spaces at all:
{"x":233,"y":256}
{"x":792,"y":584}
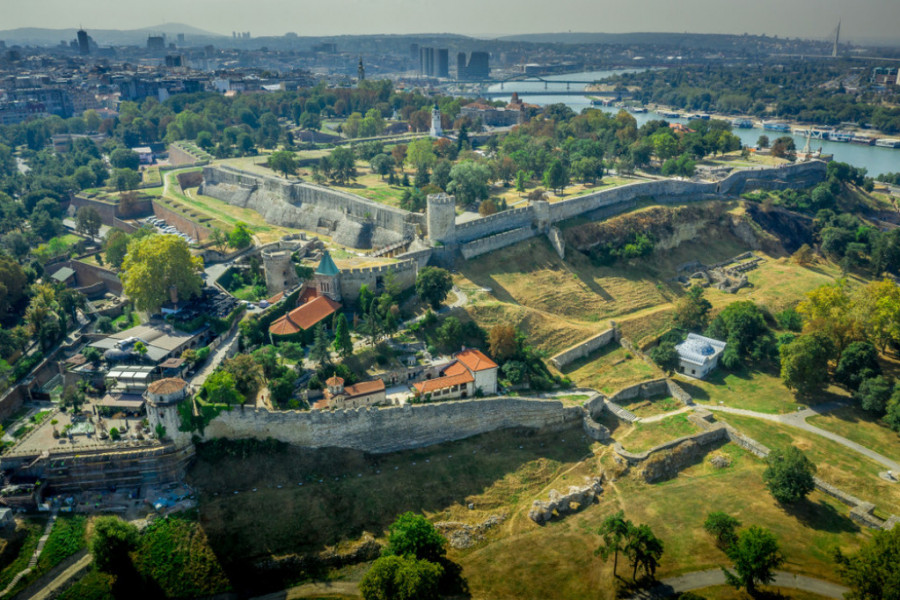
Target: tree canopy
{"x":756,"y":555}
{"x":156,"y":264}
{"x":789,"y":475}
{"x":433,"y":284}
{"x":110,"y":543}
{"x":872,"y":573}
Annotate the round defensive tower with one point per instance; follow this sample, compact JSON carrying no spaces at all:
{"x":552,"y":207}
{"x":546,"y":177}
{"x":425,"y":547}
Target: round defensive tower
{"x":162,"y":398}
{"x":441,"y":219}
{"x":279,"y":270}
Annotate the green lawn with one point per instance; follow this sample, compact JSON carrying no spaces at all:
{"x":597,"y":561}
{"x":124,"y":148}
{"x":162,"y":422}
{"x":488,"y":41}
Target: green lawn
{"x":610,"y":369}
{"x":644,"y":436}
{"x":836,"y":464}
{"x":648,"y":407}
{"x":861,"y":427}
{"x":562,"y":551}
{"x":759,"y":390}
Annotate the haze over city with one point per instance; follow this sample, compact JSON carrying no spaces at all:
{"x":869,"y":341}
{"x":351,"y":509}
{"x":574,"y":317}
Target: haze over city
{"x":863,"y":20}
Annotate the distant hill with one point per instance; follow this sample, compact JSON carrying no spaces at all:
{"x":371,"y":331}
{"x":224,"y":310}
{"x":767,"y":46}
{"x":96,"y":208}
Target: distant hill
{"x":37,"y":36}
{"x":660,"y":38}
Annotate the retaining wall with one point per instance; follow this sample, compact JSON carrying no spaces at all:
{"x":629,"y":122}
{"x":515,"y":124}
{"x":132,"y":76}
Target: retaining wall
{"x":583,"y":349}
{"x":304,"y":205}
{"x":180,"y":222}
{"x":395,"y":428}
{"x":495,"y":242}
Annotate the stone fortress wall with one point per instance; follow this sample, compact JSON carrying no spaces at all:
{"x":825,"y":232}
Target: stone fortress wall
{"x":352,"y":220}
{"x":390,"y":429}
{"x":404,"y":273}
{"x":361,"y":223}
{"x":508,"y":227}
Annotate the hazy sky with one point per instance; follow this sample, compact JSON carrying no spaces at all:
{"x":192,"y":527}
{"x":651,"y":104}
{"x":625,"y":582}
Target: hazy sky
{"x":862,"y":19}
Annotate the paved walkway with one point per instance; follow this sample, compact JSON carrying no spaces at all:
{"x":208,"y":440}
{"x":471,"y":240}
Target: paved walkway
{"x":218,"y":355}
{"x":798,"y":420}
{"x":656,"y":418}
{"x":315,"y":590}
{"x":710,"y":577}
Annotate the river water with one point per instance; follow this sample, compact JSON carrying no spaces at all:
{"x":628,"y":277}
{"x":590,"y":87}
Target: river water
{"x":875,"y":159}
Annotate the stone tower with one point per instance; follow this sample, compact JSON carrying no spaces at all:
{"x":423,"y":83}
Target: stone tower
{"x":360,"y":70}
{"x":328,"y":278}
{"x":163,"y":397}
{"x":279,"y":269}
{"x":436,"y":129}
{"x":441,"y":219}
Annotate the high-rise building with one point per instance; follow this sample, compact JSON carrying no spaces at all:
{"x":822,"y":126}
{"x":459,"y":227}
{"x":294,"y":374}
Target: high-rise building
{"x":360,"y":70}
{"x":156,"y":42}
{"x":84,"y":44}
{"x":443,"y":63}
{"x":477,"y":67}
{"x":414,"y":51}
{"x":426,"y":61}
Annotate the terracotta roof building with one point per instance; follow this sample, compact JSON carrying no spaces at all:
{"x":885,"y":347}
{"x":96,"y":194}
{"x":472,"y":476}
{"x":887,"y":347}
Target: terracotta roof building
{"x":365,"y":393}
{"x":470,"y":371}
{"x":305,"y":317}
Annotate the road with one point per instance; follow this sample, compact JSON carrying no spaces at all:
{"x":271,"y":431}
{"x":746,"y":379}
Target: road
{"x":218,"y":355}
{"x":710,"y":577}
{"x":798,"y":420}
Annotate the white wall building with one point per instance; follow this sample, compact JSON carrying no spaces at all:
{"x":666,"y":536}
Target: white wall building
{"x":698,"y":355}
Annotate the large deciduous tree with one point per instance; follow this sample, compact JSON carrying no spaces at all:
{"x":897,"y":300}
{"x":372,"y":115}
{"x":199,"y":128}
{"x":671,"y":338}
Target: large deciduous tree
{"x":789,"y":475}
{"x":872,"y":573}
{"x":433,"y":284}
{"x":157,"y":264}
{"x":87,"y":221}
{"x":756,"y":555}
{"x":111,"y":541}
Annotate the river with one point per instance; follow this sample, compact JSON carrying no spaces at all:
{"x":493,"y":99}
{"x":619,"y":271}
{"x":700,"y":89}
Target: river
{"x":875,"y":159}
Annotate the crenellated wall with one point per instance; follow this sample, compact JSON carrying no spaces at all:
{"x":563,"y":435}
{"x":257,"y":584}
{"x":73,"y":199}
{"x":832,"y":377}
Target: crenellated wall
{"x":493,"y":224}
{"x":395,"y":428}
{"x":495,"y":242}
{"x":404,"y":273}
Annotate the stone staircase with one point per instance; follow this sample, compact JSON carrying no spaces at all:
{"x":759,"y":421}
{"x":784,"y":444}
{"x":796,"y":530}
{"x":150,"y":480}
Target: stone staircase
{"x":622,"y":413}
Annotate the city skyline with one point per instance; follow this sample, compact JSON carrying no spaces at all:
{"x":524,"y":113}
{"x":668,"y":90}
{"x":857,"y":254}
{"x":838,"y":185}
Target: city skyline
{"x":812,"y":19}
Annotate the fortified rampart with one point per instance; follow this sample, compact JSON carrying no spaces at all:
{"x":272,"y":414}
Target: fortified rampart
{"x":394,"y":428}
{"x":353,"y":279}
{"x":351,"y":220}
{"x":502,"y":229}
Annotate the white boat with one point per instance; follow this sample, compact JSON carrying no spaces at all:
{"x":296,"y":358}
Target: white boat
{"x":888,"y":142}
{"x":840,"y":136}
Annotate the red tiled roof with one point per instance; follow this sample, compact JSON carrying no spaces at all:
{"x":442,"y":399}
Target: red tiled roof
{"x":456,"y":368}
{"x":475,"y":360}
{"x":364,"y":388}
{"x":167,"y":386}
{"x":304,"y":317}
{"x":276,"y":298}
{"x":430,"y":385}
{"x":334,"y":381}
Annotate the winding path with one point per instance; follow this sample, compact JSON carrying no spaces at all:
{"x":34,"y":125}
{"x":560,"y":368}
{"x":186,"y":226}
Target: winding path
{"x":798,"y":420}
{"x":710,"y":577}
